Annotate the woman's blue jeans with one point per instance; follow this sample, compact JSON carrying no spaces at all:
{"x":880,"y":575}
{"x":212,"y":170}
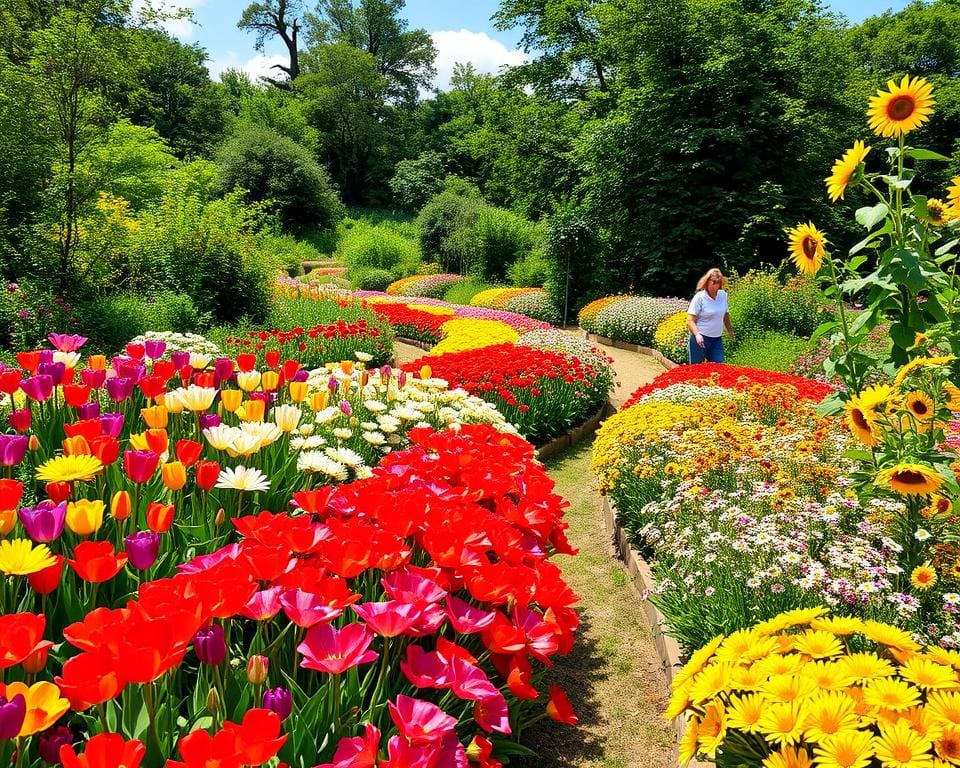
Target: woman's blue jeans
{"x":712,"y":350}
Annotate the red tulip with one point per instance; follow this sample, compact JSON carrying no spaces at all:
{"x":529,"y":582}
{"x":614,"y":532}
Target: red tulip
{"x":159,"y":516}
{"x":207,"y":474}
{"x":105,"y":750}
{"x":96,"y":561}
{"x":140,"y":465}
{"x":559,"y":706}
{"x":188,"y":451}
{"x":46,"y":581}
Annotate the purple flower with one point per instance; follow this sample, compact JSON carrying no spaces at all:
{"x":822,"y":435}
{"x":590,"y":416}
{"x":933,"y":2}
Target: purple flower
{"x":50,"y":741}
{"x":222,"y":370}
{"x":111,"y":424}
{"x":180,"y":358}
{"x":278,"y":700}
{"x":44,"y":522}
{"x":12,"y":449}
{"x":155,"y":348}
{"x":54,"y":370}
{"x":67,"y":342}
{"x":12,"y":714}
{"x":332,"y":383}
{"x":385,"y":371}
{"x":88,"y":410}
{"x":209,"y":420}
{"x":302,"y":375}
{"x":119,"y":388}
{"x":24,"y":314}
{"x":209,"y":645}
{"x":142,"y":548}
{"x":12,"y":287}
{"x":37,"y":388}
{"x":346,"y":408}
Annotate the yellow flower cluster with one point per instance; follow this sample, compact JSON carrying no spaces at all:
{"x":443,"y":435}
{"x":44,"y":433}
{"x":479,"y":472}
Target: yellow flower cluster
{"x":497,"y":298}
{"x":591,"y":310}
{"x":805,"y":688}
{"x":433,"y":309}
{"x":464,"y":333}
{"x":397,"y":287}
{"x":671,"y":336}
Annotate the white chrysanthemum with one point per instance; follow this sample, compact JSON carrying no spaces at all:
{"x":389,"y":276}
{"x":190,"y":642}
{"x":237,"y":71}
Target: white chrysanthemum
{"x":318,"y":461}
{"x":344,"y":456}
{"x":265,"y":432}
{"x":375,"y":406}
{"x":287,"y":417}
{"x":363,"y":357}
{"x":246,"y":479}
{"x":327,"y":415}
{"x":375,"y":438}
{"x":221,"y":436}
{"x":342,"y":433}
{"x":306,"y":429}
{"x":406,"y":413}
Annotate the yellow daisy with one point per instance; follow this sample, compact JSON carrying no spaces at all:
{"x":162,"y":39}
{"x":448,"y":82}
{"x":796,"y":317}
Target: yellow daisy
{"x":825,"y":674}
{"x":747,"y":678}
{"x":743,"y":712}
{"x":711,"y":681}
{"x":782,"y":723}
{"x":713,"y":728}
{"x":927,"y":674}
{"x":788,"y":687}
{"x":902,"y":108}
{"x":859,"y":667}
{"x":829,"y":712}
{"x":679,"y":700}
{"x":66,"y":469}
{"x":923,"y":577}
{"x":910,"y":479}
{"x":19,"y":557}
{"x":817,"y":644}
{"x":890,"y":693}
{"x":899,"y":746}
{"x":838,"y":625}
{"x":688,"y":746}
{"x":780,"y":665}
{"x":945,"y":706}
{"x":947,"y":745}
{"x":788,"y":757}
{"x":884,"y":634}
{"x":807,"y":247}
{"x":847,"y":749}
{"x":787,"y":619}
{"x":944,"y":656}
{"x":698,"y":660}
{"x":844,"y":169}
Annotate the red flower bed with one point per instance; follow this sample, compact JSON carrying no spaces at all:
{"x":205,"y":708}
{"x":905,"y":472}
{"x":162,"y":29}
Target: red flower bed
{"x":543,"y":392}
{"x":317,"y":345}
{"x":732,"y":377}
{"x":412,"y":323}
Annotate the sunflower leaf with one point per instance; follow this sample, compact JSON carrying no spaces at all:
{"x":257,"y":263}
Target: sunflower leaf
{"x":869,"y":216}
{"x":925,"y":154}
{"x":946,"y":247}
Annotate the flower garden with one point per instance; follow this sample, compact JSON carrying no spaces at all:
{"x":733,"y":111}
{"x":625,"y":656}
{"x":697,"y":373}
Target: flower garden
{"x":280,"y":548}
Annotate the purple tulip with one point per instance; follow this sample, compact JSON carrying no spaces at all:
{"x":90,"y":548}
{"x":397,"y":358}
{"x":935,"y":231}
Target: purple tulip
{"x":302,"y":375}
{"x":402,"y":379}
{"x":88,"y":410}
{"x":210,"y":645}
{"x":50,"y":741}
{"x":54,"y":370}
{"x":67,"y":342}
{"x":155,"y":348}
{"x":44,"y":522}
{"x":111,"y":424}
{"x":142,"y":549}
{"x":332,"y":384}
{"x":93,"y":378}
{"x":278,"y":700}
{"x":180,"y":358}
{"x":37,"y":387}
{"x":119,"y":388}
{"x":222,"y":370}
{"x":209,"y":420}
{"x":46,"y":356}
{"x":12,"y":449}
{"x":346,"y":408}
{"x":12,"y":714}
{"x":385,"y":371}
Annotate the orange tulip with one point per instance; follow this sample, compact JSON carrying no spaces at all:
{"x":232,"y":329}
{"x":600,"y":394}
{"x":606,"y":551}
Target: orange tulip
{"x":253,"y":410}
{"x":159,"y":516}
{"x":97,"y":362}
{"x":174,"y":475}
{"x":44,"y":705}
{"x":120,"y":505}
{"x":270,"y":380}
{"x":156,"y":417}
{"x":76,"y":446}
{"x":8,"y":519}
{"x":318,"y":401}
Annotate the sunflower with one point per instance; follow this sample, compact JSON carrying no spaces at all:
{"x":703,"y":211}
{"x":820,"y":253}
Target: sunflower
{"x":847,"y":749}
{"x":66,"y":469}
{"x":902,"y":108}
{"x":921,"y":405}
{"x":788,"y":757}
{"x":808,"y":247}
{"x":923,"y":577}
{"x":19,"y":557}
{"x":899,"y":746}
{"x":953,"y":197}
{"x":910,"y":479}
{"x":938,"y":212}
{"x":862,"y":422}
{"x":844,"y":169}
{"x":920,"y":362}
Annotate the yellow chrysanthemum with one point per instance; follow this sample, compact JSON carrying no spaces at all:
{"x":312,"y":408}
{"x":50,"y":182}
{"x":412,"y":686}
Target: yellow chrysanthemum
{"x":923,"y":577}
{"x":899,"y":746}
{"x":910,"y":479}
{"x":847,"y":749}
{"x":807,"y":247}
{"x":902,"y":108}
{"x":776,"y":664}
{"x":746,"y":678}
{"x":844,"y":169}
{"x":825,"y":674}
{"x":859,"y":667}
{"x":711,"y":681}
{"x":782,"y":723}
{"x":788,"y":757}
{"x":788,"y":687}
{"x":890,"y":693}
{"x":929,"y":675}
{"x":817,"y":644}
{"x":884,"y":634}
{"x":829,"y":713}
{"x":838,"y":625}
{"x":20,"y":557}
{"x":945,"y":706}
{"x":67,"y":469}
{"x":679,"y":700}
{"x":743,"y":712}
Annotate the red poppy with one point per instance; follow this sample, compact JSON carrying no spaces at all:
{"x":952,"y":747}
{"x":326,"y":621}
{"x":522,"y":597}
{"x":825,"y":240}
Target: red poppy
{"x":105,"y":750}
{"x":96,"y":561}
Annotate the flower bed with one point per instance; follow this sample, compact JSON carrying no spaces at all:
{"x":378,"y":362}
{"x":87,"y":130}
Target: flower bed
{"x":153,"y":608}
{"x":429,"y":286}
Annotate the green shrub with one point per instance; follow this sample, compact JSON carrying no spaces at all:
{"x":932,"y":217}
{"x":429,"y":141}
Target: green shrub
{"x":29,"y":311}
{"x":759,"y":302}
{"x":111,"y":321}
{"x":530,"y":271}
{"x":453,"y":210}
{"x":416,"y":181}
{"x":465,"y":290}
{"x":769,"y":351}
{"x":363,"y":247}
{"x":500,"y":238}
{"x":275,"y":168}
{"x":373,"y":279}
{"x":287,"y":251}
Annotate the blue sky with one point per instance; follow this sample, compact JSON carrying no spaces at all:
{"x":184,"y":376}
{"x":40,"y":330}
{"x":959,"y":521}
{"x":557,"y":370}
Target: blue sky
{"x":461,"y":28}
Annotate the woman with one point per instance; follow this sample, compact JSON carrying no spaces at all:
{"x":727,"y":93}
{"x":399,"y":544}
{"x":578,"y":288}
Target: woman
{"x":709,"y":313}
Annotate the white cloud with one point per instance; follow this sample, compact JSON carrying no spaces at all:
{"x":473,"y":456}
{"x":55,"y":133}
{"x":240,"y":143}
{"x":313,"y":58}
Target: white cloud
{"x":183,"y":29}
{"x":258,"y":66}
{"x":461,"y":46}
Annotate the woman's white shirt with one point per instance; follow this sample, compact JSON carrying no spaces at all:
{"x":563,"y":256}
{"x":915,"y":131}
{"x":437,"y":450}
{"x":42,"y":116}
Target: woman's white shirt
{"x":709,"y":312}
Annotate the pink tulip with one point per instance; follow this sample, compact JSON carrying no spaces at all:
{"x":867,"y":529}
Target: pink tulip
{"x":306,"y":609}
{"x":67,"y":342}
{"x":388,"y":619}
{"x":420,"y":722}
{"x":465,"y":618}
{"x":426,"y":670}
{"x":328,"y":650}
{"x":470,"y":682}
{"x":264,"y":604}
{"x":411,"y":587}
{"x":357,"y":752}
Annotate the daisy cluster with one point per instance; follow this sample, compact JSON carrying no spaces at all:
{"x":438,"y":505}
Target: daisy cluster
{"x":634,"y":319}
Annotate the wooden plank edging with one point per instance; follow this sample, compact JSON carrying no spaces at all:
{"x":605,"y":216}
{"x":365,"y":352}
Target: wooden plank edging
{"x":576,"y":434}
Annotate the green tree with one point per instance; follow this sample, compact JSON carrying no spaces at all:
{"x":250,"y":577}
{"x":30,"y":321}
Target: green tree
{"x":416,"y":181}
{"x":404,"y":56}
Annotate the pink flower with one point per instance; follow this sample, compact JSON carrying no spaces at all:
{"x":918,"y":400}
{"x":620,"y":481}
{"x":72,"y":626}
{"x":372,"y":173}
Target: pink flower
{"x":357,"y":752}
{"x":466,"y":618}
{"x":412,"y":587}
{"x":67,"y":342}
{"x":447,"y":752}
{"x":264,"y":604}
{"x":306,"y":609}
{"x":329,"y":650}
{"x":491,"y":714}
{"x":420,"y":722}
{"x":388,"y":619}
{"x":470,"y":682}
{"x":426,"y":670}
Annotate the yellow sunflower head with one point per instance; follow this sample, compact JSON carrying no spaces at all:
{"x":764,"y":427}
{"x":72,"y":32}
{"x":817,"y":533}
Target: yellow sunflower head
{"x":902,"y":108}
{"x":953,"y":194}
{"x":844,"y":170}
{"x":807,"y":247}
{"x":920,"y":405}
{"x":862,"y":422}
{"x":910,"y":479}
{"x":938,"y":212}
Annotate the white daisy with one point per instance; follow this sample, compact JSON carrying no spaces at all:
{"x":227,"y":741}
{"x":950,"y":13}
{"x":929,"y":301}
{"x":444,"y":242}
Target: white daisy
{"x":317,"y":461}
{"x":243,"y":479}
{"x":345,"y":456}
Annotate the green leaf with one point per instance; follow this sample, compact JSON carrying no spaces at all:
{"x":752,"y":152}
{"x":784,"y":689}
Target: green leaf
{"x":869,"y":216}
{"x":945,"y":248}
{"x":832,"y":404}
{"x":903,"y":335}
{"x":926,"y":154}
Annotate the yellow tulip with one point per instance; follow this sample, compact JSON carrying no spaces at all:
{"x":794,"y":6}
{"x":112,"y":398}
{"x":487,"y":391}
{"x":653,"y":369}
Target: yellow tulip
{"x":231,"y":399}
{"x":270,"y":380}
{"x":85,"y":516}
{"x":44,"y":705}
{"x":318,"y":401}
{"x":174,"y":475}
{"x":298,"y":391}
{"x":248,"y":380}
{"x":253,"y":410}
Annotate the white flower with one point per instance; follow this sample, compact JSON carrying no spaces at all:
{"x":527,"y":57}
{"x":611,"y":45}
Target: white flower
{"x":375,"y":406}
{"x":345,"y":456}
{"x":69,"y":359}
{"x":951,"y":598}
{"x":327,"y":415}
{"x":363,"y":357}
{"x":221,"y":436}
{"x":375,"y":438}
{"x":318,"y":461}
{"x":922,"y":534}
{"x":342,"y":433}
{"x":265,"y":432}
{"x":243,"y":479}
{"x":199,"y":361}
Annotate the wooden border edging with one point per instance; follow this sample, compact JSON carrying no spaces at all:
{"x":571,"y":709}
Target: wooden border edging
{"x":414,"y":343}
{"x":656,"y":354}
{"x":575,"y":435}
